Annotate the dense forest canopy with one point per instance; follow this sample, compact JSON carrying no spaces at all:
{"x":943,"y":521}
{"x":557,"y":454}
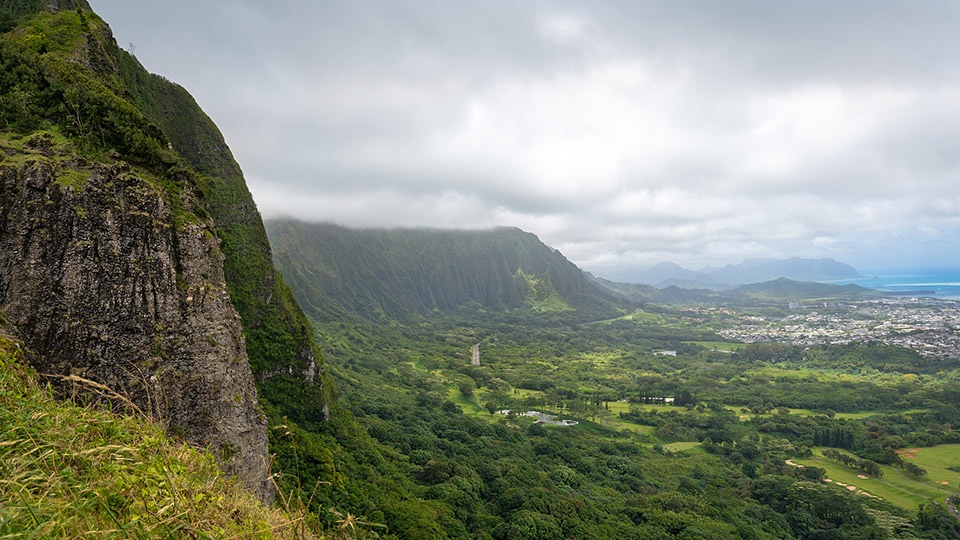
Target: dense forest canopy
{"x":679,"y":432}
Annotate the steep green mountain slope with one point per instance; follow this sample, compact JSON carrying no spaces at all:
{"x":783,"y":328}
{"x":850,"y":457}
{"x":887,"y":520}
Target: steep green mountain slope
{"x":278,"y":335}
{"x":395,"y":274}
{"x":130,"y":243}
{"x":64,"y":70}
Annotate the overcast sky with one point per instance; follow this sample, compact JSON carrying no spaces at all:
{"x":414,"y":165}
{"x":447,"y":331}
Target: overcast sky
{"x":623,"y":133}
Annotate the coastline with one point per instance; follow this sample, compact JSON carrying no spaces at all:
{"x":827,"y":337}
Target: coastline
{"x":943,"y":284}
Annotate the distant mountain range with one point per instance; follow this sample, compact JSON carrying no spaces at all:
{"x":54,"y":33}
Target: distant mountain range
{"x":668,"y":274}
{"x":403,"y":275}
{"x":776,"y":291}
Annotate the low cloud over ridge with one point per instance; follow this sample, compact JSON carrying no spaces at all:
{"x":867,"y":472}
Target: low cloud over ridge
{"x":623,"y":133}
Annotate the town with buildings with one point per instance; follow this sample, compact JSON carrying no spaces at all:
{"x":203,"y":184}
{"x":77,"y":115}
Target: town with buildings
{"x":929,"y":326}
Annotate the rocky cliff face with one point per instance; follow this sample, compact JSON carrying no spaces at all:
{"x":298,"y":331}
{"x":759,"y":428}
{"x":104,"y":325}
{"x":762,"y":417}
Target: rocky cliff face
{"x":279,"y":337}
{"x":142,"y":264}
{"x":110,"y":277}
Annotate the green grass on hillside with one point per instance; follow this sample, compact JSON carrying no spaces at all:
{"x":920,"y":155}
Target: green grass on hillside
{"x":937,"y":460}
{"x":941,"y":456}
{"x":681,"y":446}
{"x":894,"y":486}
{"x":69,"y":472}
{"x":719,"y":345}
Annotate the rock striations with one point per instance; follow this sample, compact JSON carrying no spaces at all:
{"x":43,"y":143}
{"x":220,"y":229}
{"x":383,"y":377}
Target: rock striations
{"x":103,"y":281}
{"x":131,"y":251}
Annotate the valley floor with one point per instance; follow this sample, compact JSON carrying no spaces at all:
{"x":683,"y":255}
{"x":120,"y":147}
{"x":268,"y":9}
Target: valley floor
{"x":714,"y":428}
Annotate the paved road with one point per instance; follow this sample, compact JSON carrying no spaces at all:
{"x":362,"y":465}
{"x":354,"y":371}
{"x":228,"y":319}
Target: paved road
{"x":952,"y":509}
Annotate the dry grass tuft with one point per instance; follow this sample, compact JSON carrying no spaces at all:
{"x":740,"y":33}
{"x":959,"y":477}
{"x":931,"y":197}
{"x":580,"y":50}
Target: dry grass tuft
{"x":68,"y":471}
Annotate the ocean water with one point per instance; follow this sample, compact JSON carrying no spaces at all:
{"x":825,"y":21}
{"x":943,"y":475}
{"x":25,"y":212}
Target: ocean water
{"x":931,"y":283}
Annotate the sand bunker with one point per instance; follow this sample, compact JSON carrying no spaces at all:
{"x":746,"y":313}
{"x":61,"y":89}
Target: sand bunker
{"x":841,"y":484}
{"x":909,"y":453}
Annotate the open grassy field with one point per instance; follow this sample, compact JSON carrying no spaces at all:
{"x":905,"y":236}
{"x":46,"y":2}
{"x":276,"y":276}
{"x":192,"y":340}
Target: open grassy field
{"x":941,"y":456}
{"x":894,"y":486}
{"x":636,"y":428}
{"x":809,"y":412}
{"x":681,"y":446}
{"x":936,"y":460}
{"x":719,"y":345}
{"x":525,"y":393}
{"x":867,"y":414}
{"x":471,"y":406}
{"x":616,"y":407}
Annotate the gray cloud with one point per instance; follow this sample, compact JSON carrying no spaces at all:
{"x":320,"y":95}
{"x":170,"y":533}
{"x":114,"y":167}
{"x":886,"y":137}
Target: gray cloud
{"x":621,"y":132}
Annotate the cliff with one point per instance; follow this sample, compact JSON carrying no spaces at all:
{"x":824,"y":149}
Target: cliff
{"x":384,"y":274}
{"x":131,"y":252}
{"x":98,"y":276}
{"x":279,"y":336}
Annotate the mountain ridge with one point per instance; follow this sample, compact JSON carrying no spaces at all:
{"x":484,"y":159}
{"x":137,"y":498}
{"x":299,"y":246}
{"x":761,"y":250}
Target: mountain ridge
{"x":775,"y":291}
{"x":756,"y":270}
{"x":381,"y":274}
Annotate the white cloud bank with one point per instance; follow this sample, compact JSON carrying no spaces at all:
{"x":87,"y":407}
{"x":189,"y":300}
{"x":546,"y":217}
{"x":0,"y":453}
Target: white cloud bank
{"x":623,"y":133}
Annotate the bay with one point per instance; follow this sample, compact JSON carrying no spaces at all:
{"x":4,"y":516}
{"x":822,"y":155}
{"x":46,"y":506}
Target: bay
{"x":928,"y":283}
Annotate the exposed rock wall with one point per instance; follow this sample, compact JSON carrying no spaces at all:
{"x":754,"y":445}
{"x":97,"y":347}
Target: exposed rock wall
{"x":105,"y":278}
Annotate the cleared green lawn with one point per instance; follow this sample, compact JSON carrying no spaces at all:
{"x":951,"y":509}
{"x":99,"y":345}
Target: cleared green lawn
{"x":809,"y":412}
{"x":895,"y":486}
{"x":866,"y":414}
{"x":941,"y":456}
{"x":936,"y":460}
{"x":719,"y":345}
{"x":618,"y":406}
{"x":680,"y":446}
{"x":637,"y":428}
{"x":525,"y":393}
{"x":470,"y":406}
